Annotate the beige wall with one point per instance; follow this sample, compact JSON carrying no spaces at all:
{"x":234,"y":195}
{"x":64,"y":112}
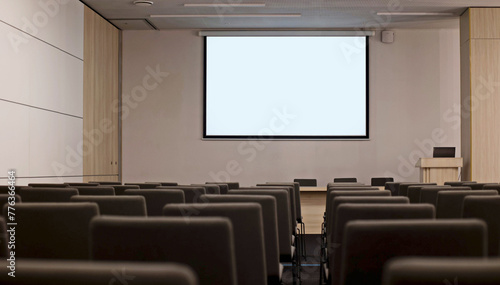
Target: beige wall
{"x":414,"y":105}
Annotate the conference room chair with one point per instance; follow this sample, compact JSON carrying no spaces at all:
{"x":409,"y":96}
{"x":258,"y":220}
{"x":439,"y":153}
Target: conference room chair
{"x":57,"y":272}
{"x":209,"y":188}
{"x":492,"y":187}
{"x":441,"y":270}
{"x":206,"y":244}
{"x":116,"y":205}
{"x":95,"y":190}
{"x":4,"y":239}
{"x":306,"y":182}
{"x":192,"y":194}
{"x":345,"y":180}
{"x":403,"y":187}
{"x":458,"y":183}
{"x":4,"y":189}
{"x":380,"y":181}
{"x":363,"y":189}
{"x":222,"y":186}
{"x":164,"y":183}
{"x":478,"y":186}
{"x":487,"y":209}
{"x":73,"y":184}
{"x":346,"y":184}
{"x":248,"y":231}
{"x":286,"y":249}
{"x":109,"y":183}
{"x":352,"y":212}
{"x":393,"y":187}
{"x":429,"y":194}
{"x":53,"y":230}
{"x":47,"y":194}
{"x":145,"y":185}
{"x":5,"y":198}
{"x":120,"y":189}
{"x":48,"y":185}
{"x":231,"y":185}
{"x":368,"y":245}
{"x":156,"y":199}
{"x":414,"y":192}
{"x":450,"y":203}
{"x":270,"y":222}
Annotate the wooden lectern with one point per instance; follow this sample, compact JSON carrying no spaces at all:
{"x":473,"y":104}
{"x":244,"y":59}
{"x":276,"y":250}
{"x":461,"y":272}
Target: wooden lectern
{"x":439,"y":169}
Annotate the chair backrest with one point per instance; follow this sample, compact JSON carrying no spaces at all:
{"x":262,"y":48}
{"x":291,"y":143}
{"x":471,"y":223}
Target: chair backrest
{"x":346,"y":184}
{"x":414,"y":192}
{"x":380,"y":181}
{"x":3,"y":238}
{"x":110,"y":183}
{"x":393,"y":187}
{"x":487,"y":209}
{"x":429,"y":194}
{"x":269,"y":212}
{"x":206,"y":244}
{"x":306,"y":182}
{"x":458,"y":183}
{"x":209,"y":188}
{"x":116,"y":205}
{"x":352,"y":212}
{"x":120,"y":189}
{"x":156,"y":199}
{"x":48,"y":185}
{"x":345,"y":179}
{"x":231,"y":185}
{"x":248,"y":230}
{"x":192,"y":194}
{"x":441,"y":270}
{"x":145,"y":185}
{"x":492,"y":187}
{"x":73,"y":184}
{"x":223,"y":187}
{"x":403,"y":187}
{"x":48,"y":272}
{"x":53,"y":230}
{"x":283,"y":211}
{"x":95,"y":190}
{"x":450,"y":203}
{"x":6,"y":198}
{"x":296,"y":192}
{"x":367,"y":245}
{"x":47,"y":194}
{"x":478,"y":186}
{"x":333,"y":192}
{"x":164,"y":183}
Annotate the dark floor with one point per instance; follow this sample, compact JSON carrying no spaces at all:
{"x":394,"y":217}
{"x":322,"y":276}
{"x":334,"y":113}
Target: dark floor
{"x":310,"y":266}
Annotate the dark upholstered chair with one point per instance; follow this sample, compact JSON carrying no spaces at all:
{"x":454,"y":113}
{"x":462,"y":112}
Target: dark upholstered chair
{"x":222,"y":186}
{"x":380,"y":181}
{"x":110,"y":183}
{"x":306,"y":182}
{"x":209,"y":188}
{"x":191,"y":193}
{"x":53,"y":230}
{"x":206,"y":244}
{"x":414,"y":192}
{"x":48,"y":185}
{"x":47,"y":272}
{"x":492,"y":187}
{"x":393,"y":187}
{"x":47,"y":194}
{"x":164,"y":183}
{"x":116,"y":205}
{"x":120,"y":189}
{"x":367,"y":245}
{"x":403,"y":187}
{"x":248,"y":230}
{"x":73,"y":184}
{"x":478,"y":186}
{"x":458,"y":183}
{"x":95,"y":190}
{"x":345,"y":180}
{"x":450,"y":203}
{"x":487,"y":209}
{"x":441,"y":270}
{"x":231,"y":185}
{"x":156,"y":199}
{"x":145,"y":185}
{"x":4,"y":239}
{"x":429,"y":194}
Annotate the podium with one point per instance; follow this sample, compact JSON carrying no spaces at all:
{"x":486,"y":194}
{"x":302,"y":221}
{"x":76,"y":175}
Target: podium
{"x":439,"y":169}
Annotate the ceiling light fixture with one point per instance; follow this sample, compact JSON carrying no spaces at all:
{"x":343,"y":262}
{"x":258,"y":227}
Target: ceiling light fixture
{"x":225,"y":5}
{"x":228,"y":16}
{"x":143,"y":3}
{"x":413,"y":14}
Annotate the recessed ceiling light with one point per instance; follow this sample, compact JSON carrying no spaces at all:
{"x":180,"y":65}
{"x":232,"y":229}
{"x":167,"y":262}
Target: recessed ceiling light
{"x":225,"y":5}
{"x":228,"y":16}
{"x":413,"y":14}
{"x":143,"y":3}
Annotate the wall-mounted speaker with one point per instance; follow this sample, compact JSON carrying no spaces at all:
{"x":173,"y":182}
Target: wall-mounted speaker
{"x":388,"y":37}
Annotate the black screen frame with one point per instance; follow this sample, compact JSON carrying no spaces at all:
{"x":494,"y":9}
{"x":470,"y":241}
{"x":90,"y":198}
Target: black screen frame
{"x":286,"y":137}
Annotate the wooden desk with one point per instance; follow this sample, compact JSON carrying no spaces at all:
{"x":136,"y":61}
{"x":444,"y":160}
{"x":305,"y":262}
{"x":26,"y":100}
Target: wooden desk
{"x":313,"y":203}
{"x":439,"y":170}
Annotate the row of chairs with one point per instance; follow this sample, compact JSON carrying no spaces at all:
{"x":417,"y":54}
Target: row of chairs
{"x":375,"y":181}
{"x":274,"y":201}
{"x":364,"y":228}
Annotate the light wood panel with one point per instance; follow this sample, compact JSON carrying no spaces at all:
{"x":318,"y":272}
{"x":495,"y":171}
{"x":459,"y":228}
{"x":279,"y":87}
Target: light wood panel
{"x":484,"y":23}
{"x":101,"y":125}
{"x":313,"y":205}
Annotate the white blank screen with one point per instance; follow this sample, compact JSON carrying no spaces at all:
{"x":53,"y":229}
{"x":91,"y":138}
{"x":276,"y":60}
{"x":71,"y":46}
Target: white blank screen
{"x":286,"y":87}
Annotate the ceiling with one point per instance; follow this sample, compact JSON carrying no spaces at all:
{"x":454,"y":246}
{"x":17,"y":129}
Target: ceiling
{"x":285,"y":14}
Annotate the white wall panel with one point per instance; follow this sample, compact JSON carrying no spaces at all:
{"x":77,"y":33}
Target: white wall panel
{"x":15,"y":142}
{"x":57,"y":22}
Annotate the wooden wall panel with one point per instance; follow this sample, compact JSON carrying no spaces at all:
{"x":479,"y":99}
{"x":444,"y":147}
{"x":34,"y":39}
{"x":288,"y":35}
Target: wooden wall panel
{"x":101,"y":94}
{"x":485,"y":23}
